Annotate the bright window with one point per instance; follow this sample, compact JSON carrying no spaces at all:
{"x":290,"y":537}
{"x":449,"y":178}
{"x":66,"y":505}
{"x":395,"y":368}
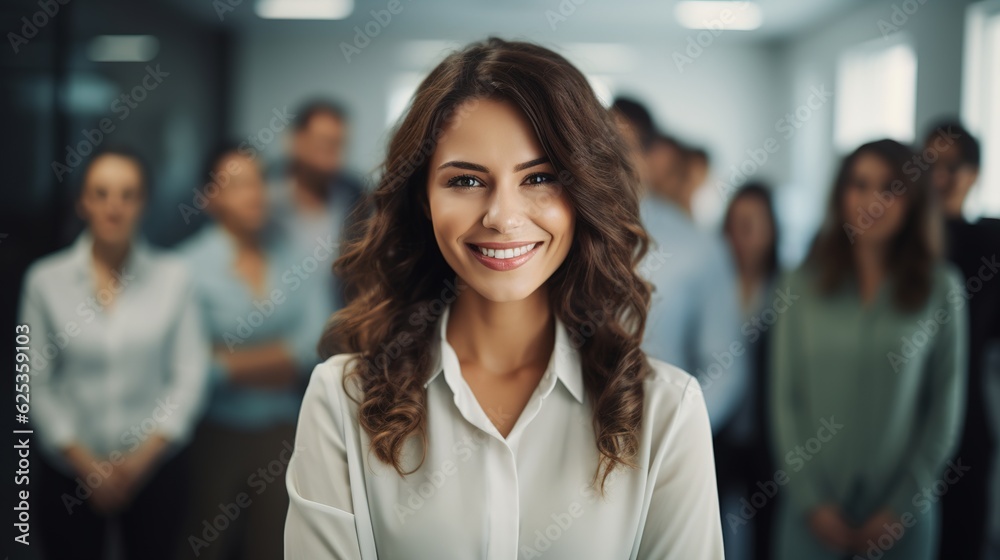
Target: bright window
{"x":876,"y":93}
{"x":980,"y":110}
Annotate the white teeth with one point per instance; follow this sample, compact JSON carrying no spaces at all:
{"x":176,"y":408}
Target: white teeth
{"x":506,"y":253}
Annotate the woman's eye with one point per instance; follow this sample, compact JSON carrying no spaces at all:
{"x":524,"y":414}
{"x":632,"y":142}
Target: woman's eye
{"x":539,"y":178}
{"x":464,"y":182}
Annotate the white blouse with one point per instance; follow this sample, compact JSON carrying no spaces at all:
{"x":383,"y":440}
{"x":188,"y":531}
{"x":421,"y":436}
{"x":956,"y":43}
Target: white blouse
{"x":109,"y":378}
{"x":479,"y":495}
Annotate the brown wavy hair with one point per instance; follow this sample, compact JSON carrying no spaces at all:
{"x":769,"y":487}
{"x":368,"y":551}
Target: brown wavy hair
{"x":914,"y":249}
{"x":395,"y":276}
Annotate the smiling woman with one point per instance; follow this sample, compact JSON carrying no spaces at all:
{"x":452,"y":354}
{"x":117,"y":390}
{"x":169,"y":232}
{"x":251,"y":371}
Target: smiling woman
{"x":508,"y":181}
{"x":489,"y":215}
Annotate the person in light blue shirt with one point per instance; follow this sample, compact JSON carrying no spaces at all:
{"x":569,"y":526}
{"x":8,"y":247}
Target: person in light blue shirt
{"x":264,"y":310}
{"x":694,"y":316}
{"x":115,"y":377}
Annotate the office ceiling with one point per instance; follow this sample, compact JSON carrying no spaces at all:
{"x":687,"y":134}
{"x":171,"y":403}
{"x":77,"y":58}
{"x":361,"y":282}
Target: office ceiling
{"x":548,"y":20}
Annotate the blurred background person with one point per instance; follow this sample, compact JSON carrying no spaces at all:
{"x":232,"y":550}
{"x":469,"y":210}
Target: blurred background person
{"x":636,"y":127}
{"x":953,"y":156}
{"x":667,"y":167}
{"x":869,"y":363}
{"x":120,"y":379}
{"x":694,"y":314}
{"x":751,"y":230}
{"x":677,"y":172}
{"x":693,"y":320}
{"x":743,"y":449}
{"x":694,"y":171}
{"x":315,"y":196}
{"x":264,"y":317}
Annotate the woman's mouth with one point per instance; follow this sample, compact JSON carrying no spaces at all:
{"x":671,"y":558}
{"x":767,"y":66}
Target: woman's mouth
{"x":505,"y":256}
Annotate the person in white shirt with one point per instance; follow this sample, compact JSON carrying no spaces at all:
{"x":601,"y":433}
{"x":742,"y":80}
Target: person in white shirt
{"x":485,"y":394}
{"x":118,"y":361}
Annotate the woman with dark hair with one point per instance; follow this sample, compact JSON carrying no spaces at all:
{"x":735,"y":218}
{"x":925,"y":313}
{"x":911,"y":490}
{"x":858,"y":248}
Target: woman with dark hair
{"x":742,"y":448}
{"x":868,"y":371}
{"x":117,"y":377}
{"x":485,"y":394}
{"x":752,"y":232}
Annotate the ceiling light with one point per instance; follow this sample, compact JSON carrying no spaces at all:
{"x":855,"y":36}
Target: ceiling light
{"x":122,"y":48}
{"x":304,"y":9}
{"x":697,"y":14}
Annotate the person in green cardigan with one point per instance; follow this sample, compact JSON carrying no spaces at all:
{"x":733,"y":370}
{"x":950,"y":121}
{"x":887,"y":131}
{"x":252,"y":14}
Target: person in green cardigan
{"x":868,"y":378}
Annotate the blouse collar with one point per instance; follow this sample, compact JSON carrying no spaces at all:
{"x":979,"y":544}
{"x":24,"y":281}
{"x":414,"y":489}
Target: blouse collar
{"x":564,"y":361}
{"x":137,"y":260}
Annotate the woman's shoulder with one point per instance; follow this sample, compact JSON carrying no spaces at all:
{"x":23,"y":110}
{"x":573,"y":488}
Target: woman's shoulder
{"x":336,"y":366}
{"x":801,"y":278}
{"x":675,"y":417}
{"x":669,"y":391}
{"x":669,"y":379}
{"x":328,"y":377}
{"x":326,"y":406}
{"x":203,"y":247}
{"x":166,"y":271}
{"x":167,"y":262}
{"x":946,"y":276}
{"x":55,"y":265}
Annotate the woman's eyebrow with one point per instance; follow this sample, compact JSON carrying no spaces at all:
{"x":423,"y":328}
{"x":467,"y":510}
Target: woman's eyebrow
{"x":530,"y":164}
{"x":483,"y":169}
{"x":465,"y":165}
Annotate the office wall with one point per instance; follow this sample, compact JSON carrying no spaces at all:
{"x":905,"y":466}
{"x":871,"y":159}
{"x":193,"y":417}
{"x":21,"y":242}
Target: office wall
{"x":723,"y":99}
{"x":763,"y":109}
{"x":936,"y":31}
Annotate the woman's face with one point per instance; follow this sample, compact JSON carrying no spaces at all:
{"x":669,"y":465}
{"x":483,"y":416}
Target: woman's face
{"x":869,"y":203}
{"x":751,"y":232}
{"x":112,"y":199}
{"x":240,"y":204}
{"x":490,"y":187}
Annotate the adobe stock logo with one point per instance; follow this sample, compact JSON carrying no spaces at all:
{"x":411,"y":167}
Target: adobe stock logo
{"x":30,"y":27}
{"x":899,"y":17}
{"x":566,"y":8}
{"x":363,"y":35}
{"x":123,"y":105}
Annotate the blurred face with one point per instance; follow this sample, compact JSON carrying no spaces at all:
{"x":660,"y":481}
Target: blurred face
{"x":501,"y":220}
{"x":666,"y":165}
{"x":697,"y":172}
{"x":751,"y":232}
{"x":634,"y":146}
{"x":951,"y":178}
{"x":320,"y":146}
{"x":241,"y":204}
{"x":112,"y":199}
{"x":869,"y":204}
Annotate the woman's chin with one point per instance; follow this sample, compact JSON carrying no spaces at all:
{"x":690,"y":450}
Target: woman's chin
{"x":502,"y":291}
